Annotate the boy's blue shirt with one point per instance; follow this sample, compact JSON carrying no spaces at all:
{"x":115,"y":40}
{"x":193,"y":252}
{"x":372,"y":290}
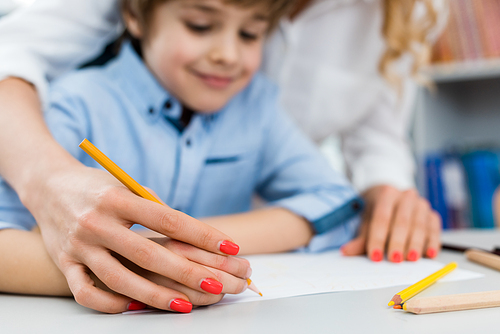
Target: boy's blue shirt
{"x":212,"y":167}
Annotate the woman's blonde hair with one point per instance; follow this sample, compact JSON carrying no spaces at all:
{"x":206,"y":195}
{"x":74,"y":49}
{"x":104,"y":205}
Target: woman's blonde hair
{"x":406,"y":32}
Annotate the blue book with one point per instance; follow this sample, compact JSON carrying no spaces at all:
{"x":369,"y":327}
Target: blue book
{"x":456,"y":192}
{"x":481,"y":169}
{"x":435,"y":190}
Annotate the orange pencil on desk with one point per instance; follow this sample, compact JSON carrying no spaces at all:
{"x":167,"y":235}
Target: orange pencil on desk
{"x":129,"y":182}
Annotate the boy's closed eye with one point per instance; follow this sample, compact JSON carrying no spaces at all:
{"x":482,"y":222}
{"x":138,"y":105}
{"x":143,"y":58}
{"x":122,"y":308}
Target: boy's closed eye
{"x":245,"y":35}
{"x":204,"y":19}
{"x":198,"y":28}
{"x":253,"y":33}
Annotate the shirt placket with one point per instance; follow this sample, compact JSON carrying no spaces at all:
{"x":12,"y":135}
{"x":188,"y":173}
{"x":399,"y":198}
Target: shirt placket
{"x":193,"y":146}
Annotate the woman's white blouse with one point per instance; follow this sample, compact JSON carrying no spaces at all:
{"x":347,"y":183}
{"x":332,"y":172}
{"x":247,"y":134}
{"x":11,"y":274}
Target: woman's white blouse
{"x":325,"y":62}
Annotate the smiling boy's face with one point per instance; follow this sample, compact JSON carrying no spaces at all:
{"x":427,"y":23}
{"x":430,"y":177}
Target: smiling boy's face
{"x":202,"y":51}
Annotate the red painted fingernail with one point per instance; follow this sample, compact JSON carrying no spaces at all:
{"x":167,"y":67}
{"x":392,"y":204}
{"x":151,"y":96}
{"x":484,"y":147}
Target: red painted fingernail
{"x":396,"y":257}
{"x":180,"y":305}
{"x":376,"y":255}
{"x":229,"y":248}
{"x":413,"y":255}
{"x":211,"y":285}
{"x":134,"y":305}
{"x":431,"y":253}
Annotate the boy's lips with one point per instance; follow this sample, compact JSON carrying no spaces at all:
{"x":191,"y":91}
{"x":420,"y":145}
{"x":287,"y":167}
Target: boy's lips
{"x":215,"y":81}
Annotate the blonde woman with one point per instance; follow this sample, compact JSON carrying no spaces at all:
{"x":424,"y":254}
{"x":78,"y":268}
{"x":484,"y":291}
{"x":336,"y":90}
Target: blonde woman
{"x":347,"y":68}
{"x":331,"y":57}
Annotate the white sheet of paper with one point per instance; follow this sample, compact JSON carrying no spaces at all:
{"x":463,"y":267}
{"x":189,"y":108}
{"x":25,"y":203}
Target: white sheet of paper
{"x":296,"y":274}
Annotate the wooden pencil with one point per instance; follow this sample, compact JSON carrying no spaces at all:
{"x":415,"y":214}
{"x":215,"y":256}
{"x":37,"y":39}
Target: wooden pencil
{"x":421,"y":285}
{"x":484,"y":258}
{"x":465,"y":301}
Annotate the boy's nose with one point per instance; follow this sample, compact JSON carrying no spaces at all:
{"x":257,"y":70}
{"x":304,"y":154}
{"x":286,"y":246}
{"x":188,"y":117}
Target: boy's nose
{"x":225,"y":51}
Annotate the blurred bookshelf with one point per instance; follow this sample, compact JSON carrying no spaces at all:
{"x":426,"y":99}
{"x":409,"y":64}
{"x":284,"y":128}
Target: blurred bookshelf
{"x":456,"y":130}
{"x":463,"y":70}
{"x":469,"y":47}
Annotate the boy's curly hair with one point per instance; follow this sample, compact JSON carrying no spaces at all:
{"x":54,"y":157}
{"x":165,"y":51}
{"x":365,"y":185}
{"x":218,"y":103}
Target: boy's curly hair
{"x":142,"y":9}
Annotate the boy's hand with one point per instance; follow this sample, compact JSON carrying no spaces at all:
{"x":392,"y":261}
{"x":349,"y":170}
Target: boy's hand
{"x":400,"y":223}
{"x":85,"y":216}
{"x":220,"y":265}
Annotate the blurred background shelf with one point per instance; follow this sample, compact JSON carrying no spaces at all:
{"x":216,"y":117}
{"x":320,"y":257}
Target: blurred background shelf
{"x":459,"y":121}
{"x":464,"y":70}
{"x":456,"y":129}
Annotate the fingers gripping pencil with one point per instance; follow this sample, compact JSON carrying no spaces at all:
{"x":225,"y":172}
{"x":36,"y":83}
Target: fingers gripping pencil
{"x":129,"y":182}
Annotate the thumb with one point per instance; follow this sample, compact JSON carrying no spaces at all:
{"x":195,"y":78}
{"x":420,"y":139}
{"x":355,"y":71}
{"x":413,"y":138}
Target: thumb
{"x":356,"y":246}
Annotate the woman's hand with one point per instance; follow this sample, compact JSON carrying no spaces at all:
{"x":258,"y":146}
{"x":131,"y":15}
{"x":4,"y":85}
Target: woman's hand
{"x":399,"y":223}
{"x":85,"y":216}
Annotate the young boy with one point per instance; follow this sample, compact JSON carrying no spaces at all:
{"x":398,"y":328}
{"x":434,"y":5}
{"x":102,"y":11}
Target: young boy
{"x":183,"y":112}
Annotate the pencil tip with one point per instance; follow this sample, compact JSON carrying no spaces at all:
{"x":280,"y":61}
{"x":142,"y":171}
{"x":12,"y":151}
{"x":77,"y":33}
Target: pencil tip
{"x":391,"y":303}
{"x":397,"y":307}
{"x":252,"y":287}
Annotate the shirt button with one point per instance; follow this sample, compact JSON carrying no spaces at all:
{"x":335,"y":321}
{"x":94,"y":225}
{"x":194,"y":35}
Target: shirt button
{"x":188,"y":142}
{"x":168,"y":104}
{"x":151,"y":110}
{"x":356,"y":206}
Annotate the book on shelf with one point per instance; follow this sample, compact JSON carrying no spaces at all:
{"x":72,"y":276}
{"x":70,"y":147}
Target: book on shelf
{"x":472,"y":32}
{"x":461,"y":186}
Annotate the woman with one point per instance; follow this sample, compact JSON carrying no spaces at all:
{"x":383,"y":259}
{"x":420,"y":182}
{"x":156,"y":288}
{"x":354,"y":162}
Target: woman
{"x":345,"y":68}
{"x":51,"y":37}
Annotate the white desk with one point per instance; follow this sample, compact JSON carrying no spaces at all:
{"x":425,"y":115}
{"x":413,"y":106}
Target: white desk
{"x":340,"y":312}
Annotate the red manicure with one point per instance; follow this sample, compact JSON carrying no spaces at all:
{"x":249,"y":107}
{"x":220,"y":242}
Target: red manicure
{"x":376,"y":255}
{"x":229,"y":248}
{"x":134,"y":305}
{"x":431,"y":253}
{"x":212,"y":286}
{"x":397,"y":257}
{"x":413,"y":255}
{"x":181,"y":305}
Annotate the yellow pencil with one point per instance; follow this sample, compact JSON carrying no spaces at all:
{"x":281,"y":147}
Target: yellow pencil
{"x":116,"y":171}
{"x":129,"y":182}
{"x":421,"y":285}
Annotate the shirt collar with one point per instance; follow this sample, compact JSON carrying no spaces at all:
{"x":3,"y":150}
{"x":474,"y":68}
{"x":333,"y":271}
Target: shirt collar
{"x":143,"y":89}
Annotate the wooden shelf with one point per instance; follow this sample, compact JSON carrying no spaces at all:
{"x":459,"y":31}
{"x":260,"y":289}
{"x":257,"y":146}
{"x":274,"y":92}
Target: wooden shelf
{"x":464,"y":71}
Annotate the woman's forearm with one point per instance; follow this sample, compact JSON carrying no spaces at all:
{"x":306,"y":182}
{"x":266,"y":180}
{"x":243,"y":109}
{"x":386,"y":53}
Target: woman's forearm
{"x":27,"y":267}
{"x":264,"y":231}
{"x":25,"y":139}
